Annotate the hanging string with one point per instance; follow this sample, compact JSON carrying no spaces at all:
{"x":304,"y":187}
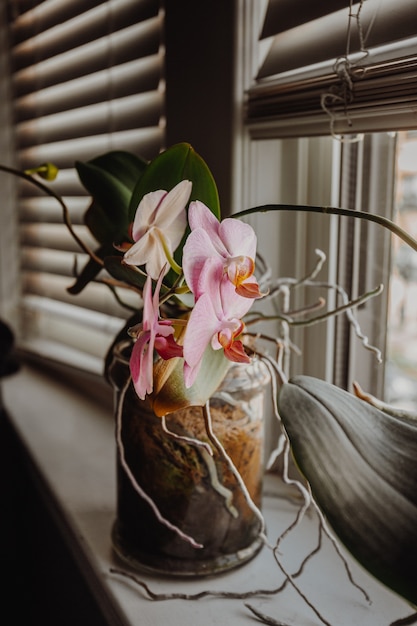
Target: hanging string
{"x":343,"y":93}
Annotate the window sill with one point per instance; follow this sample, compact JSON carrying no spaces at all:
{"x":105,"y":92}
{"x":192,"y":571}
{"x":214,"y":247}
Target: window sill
{"x":69,"y":438}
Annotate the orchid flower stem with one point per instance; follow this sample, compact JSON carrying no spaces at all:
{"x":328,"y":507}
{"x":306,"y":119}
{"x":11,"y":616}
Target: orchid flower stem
{"x":177,"y":288}
{"x":48,"y":191}
{"x":371,"y":217}
{"x":172,"y":262}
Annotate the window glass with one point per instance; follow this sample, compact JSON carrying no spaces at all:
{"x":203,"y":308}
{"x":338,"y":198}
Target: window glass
{"x":401,"y":370}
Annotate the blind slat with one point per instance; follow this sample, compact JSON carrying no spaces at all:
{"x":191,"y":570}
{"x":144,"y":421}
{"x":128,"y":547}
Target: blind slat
{"x":301,"y":90}
{"x":96,"y":297}
{"x":44,"y":14}
{"x":133,"y":112}
{"x":54,"y":236}
{"x":73,"y":313}
{"x":137,"y":41}
{"x":88,"y":78}
{"x":97,"y":23}
{"x":51,"y":261}
{"x":382,"y":21}
{"x":130,"y":78}
{"x":144,"y":142}
{"x":46,"y":209}
{"x":283,"y":15}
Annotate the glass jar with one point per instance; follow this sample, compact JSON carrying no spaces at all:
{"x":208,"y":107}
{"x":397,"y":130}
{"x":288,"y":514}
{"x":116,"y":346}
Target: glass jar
{"x":196,"y":492}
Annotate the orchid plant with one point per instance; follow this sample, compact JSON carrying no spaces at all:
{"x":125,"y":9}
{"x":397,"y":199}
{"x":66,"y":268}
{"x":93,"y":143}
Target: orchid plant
{"x":160,"y":234}
{"x":194,"y":273}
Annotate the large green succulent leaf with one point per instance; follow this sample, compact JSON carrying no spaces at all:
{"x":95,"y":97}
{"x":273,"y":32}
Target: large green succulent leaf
{"x":180,"y":162}
{"x":110,"y":179}
{"x":361,"y":464}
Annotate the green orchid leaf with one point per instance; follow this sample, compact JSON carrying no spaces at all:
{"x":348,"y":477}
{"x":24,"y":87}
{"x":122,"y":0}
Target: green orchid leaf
{"x":170,"y":393}
{"x":90,"y":270}
{"x":98,"y":223}
{"x":128,"y":274}
{"x":180,"y":162}
{"x":125,"y":273}
{"x":110,"y":179}
{"x":124,"y":166}
{"x":361,"y":464}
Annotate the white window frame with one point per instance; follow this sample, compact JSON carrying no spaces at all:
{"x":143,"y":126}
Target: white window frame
{"x":260,"y":178}
{"x":259,"y":175}
{"x":293,"y":171}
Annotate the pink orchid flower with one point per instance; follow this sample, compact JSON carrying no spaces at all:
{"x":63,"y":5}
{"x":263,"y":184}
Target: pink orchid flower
{"x":151,"y":334}
{"x":230,"y":241}
{"x":158,"y":227}
{"x":214,"y":321}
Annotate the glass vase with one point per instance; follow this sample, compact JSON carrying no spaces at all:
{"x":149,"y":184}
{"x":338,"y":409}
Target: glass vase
{"x":195,"y":491}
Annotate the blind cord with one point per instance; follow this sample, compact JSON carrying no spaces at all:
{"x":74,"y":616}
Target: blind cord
{"x":343,"y":93}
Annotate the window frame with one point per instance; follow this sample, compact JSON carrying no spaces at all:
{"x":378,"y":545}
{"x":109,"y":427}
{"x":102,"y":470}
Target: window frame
{"x":246,"y":190}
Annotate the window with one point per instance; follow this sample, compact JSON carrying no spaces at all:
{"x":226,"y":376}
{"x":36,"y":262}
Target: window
{"x":90,"y":76}
{"x":339,"y":77}
{"x":401,"y":353}
{"x":87,"y":77}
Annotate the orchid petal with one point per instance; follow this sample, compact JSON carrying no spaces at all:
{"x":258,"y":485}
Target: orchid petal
{"x":200,"y":216}
{"x":145,"y":213}
{"x":171,"y":209}
{"x":236,"y":352}
{"x":150,"y":252}
{"x":151,"y":334}
{"x":198,"y":249}
{"x":158,"y":226}
{"x":141,"y":365}
{"x":249,"y":289}
{"x":238,"y":238}
{"x":214,"y":320}
{"x":233,"y":305}
{"x":148,"y":313}
{"x":239,"y":269}
{"x":202,"y":325}
{"x":167,"y":347}
{"x":232,"y":242}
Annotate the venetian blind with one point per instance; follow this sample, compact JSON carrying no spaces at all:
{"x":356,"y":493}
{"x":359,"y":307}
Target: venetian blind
{"x":335,"y":66}
{"x":87,"y":78}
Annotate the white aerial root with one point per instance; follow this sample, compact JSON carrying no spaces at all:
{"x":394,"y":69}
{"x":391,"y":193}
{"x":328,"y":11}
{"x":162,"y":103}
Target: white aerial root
{"x":132,"y":478}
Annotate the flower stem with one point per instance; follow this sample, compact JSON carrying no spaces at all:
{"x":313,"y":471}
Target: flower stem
{"x":371,"y":217}
{"x":50,"y":192}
